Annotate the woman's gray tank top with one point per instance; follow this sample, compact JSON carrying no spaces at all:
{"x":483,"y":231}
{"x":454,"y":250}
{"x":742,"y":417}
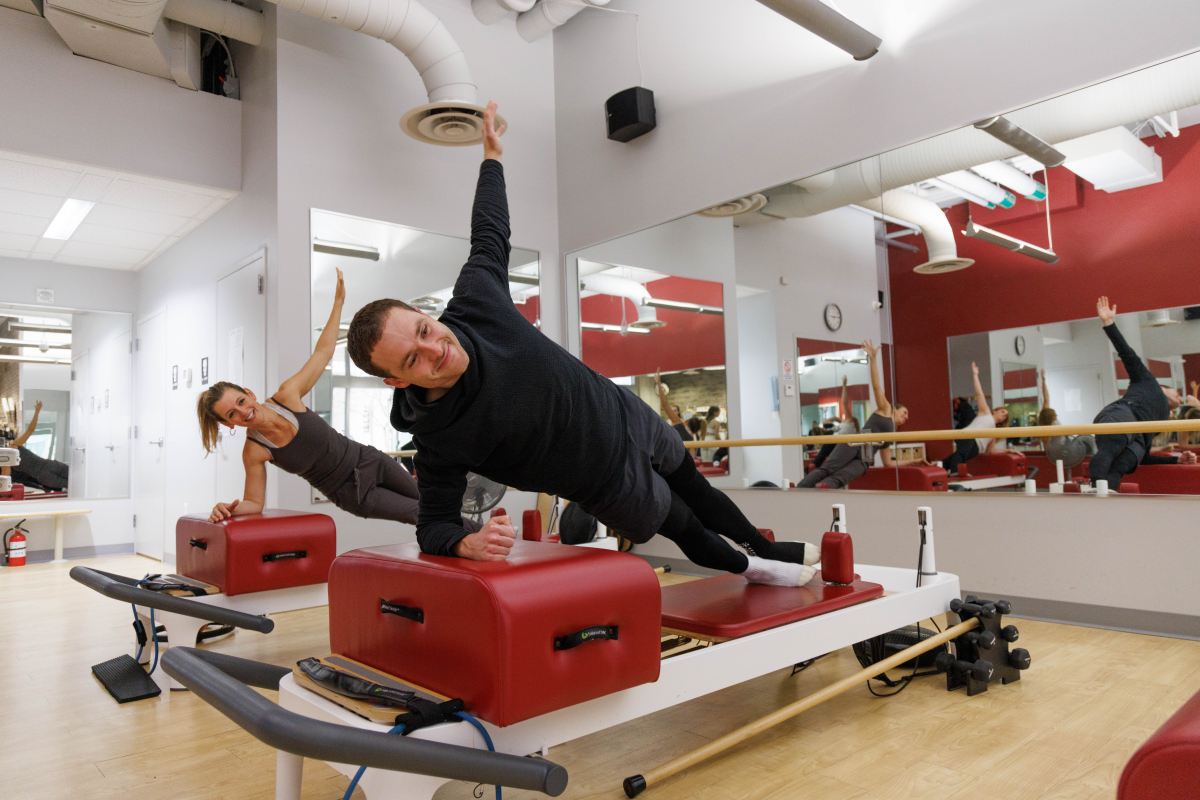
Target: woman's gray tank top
{"x":317,"y":452}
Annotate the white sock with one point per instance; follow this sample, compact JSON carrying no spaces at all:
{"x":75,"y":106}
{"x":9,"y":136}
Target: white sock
{"x":777,"y":573}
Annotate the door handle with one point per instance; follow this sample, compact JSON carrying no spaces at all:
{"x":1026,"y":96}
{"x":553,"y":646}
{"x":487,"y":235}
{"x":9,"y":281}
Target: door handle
{"x":158,"y":442}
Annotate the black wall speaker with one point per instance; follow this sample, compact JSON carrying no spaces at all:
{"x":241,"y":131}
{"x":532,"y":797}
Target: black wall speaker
{"x":630,"y":113}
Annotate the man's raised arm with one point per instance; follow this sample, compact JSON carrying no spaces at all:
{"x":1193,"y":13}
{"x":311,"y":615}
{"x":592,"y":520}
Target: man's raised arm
{"x":1137,"y":369}
{"x":489,"y":216}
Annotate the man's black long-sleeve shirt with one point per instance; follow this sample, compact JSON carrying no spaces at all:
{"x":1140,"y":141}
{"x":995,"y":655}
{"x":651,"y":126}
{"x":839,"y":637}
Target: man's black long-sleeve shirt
{"x":526,"y":412}
{"x":1144,"y":398}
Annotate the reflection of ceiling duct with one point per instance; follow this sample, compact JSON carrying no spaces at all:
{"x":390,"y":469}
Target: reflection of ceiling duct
{"x":732,"y":208}
{"x":550,"y":14}
{"x":939,"y":236}
{"x":1140,"y":95}
{"x":491,"y":11}
{"x":1159,"y":318}
{"x":840,"y":31}
{"x":600,"y":283}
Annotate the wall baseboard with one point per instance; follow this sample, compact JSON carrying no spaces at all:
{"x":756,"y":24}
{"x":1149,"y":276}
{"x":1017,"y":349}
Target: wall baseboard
{"x":87,"y":551}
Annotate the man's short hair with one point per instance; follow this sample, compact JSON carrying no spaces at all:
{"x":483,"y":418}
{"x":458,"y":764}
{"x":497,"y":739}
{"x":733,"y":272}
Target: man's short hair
{"x":366,"y":329}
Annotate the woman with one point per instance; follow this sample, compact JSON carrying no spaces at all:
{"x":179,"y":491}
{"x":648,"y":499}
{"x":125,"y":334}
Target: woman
{"x":356,"y":477}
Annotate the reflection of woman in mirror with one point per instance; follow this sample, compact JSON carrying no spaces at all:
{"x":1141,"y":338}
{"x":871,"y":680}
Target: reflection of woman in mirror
{"x":849,"y":461}
{"x":34,"y":470}
{"x":986,"y":418}
{"x":689,"y":431}
{"x":356,"y":477}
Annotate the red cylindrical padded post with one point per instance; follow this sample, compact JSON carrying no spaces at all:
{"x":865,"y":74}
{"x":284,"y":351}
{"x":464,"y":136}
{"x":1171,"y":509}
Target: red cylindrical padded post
{"x":767,"y":533}
{"x":837,"y":558}
{"x":274,"y":549}
{"x":1165,"y":766}
{"x":531,"y":525}
{"x":499,"y":511}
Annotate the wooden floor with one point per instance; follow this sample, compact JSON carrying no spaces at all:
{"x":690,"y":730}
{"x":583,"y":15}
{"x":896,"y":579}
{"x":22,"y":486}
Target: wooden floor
{"x":1064,"y":731}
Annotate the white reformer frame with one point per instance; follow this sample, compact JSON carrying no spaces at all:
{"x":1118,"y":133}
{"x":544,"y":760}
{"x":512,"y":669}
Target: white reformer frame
{"x":181,"y":629}
{"x":683,"y":677}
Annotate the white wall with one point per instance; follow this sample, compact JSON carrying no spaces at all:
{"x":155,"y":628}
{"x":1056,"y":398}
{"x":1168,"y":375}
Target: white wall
{"x":76,"y":288}
{"x":805,"y":264}
{"x":758,"y":364}
{"x":746,"y":100}
{"x":340,"y":148}
{"x":59,"y":105}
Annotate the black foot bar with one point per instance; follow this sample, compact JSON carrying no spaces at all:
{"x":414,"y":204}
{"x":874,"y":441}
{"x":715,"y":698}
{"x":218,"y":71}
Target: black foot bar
{"x":221,"y":681}
{"x":120,"y":587}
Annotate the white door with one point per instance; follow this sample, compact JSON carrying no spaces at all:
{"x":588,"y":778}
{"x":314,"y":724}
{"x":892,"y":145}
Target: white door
{"x":81,"y":413}
{"x":150,"y":462}
{"x":241,"y":359}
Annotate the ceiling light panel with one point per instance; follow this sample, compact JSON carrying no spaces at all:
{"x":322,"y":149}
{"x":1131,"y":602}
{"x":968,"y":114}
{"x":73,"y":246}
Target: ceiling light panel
{"x":68,"y":218}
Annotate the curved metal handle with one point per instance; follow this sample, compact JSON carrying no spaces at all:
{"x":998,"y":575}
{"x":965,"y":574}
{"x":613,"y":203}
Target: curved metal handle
{"x":221,"y":682}
{"x":120,"y":587}
{"x":158,"y":442}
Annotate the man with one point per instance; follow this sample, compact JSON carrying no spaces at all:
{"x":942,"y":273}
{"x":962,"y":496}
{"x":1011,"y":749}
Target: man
{"x":1118,"y":454}
{"x":481,"y":390}
{"x":985,"y":418}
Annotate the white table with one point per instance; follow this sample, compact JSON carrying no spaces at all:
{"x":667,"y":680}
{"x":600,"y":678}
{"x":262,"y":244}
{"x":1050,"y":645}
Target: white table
{"x":44,"y":508}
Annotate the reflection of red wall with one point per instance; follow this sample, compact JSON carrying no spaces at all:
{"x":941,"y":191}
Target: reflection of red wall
{"x":1020,"y":379}
{"x":1159,"y":369}
{"x":688,"y":341}
{"x":1191,"y":369}
{"x":530,"y":308}
{"x":1137,"y":246}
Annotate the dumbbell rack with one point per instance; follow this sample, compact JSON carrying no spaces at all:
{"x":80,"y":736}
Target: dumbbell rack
{"x":982,"y":656}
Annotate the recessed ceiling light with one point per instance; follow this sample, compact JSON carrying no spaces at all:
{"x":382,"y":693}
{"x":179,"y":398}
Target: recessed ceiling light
{"x":68,"y":218}
{"x":346,"y":249}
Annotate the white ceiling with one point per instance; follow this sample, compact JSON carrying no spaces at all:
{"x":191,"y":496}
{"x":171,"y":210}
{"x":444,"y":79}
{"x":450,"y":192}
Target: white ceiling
{"x":134,"y":221}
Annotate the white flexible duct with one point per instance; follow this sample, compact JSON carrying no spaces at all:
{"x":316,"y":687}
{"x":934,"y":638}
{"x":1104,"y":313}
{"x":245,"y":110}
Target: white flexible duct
{"x":618,"y":287}
{"x":219,"y":16}
{"x":452,"y":116}
{"x":939,"y":236}
{"x":492,"y":11}
{"x":1137,"y":96}
{"x":550,"y":14}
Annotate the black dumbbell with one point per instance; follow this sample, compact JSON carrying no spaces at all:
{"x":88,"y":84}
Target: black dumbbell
{"x":980,"y":670}
{"x":971,"y":599}
{"x":1009,"y":633}
{"x":984,"y":640}
{"x":1019,"y":658}
{"x":1003,"y":606}
{"x":986,"y":610}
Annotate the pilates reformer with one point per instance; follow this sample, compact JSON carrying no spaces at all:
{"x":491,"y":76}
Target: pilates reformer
{"x":756,"y":630}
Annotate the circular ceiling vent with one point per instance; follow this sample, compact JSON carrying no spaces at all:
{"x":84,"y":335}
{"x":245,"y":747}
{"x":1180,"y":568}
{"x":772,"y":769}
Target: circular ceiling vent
{"x":943,"y":265}
{"x":733,"y":208}
{"x":447,"y":123}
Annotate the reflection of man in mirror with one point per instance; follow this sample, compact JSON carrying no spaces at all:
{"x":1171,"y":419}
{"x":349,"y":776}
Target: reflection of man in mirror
{"x":1118,"y":454}
{"x":481,"y":390}
{"x":41,"y":473}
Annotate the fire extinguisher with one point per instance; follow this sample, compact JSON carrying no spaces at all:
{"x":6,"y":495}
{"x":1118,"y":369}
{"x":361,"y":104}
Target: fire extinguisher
{"x":14,"y":545}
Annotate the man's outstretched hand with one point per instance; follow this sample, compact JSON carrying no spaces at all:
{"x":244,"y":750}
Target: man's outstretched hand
{"x":492,"y":542}
{"x":1106,"y":313}
{"x":491,"y":133}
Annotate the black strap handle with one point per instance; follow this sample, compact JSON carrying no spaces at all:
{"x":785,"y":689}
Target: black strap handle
{"x":408,"y":612}
{"x":201,"y":543}
{"x":286,"y":554}
{"x":588,"y":634}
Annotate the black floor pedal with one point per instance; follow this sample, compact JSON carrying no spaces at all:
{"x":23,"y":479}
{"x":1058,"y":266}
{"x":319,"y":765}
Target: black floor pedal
{"x":125,"y":679}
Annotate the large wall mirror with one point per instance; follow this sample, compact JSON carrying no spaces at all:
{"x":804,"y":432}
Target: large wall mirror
{"x":965,"y":247}
{"x":66,"y":400}
{"x":383,"y":259}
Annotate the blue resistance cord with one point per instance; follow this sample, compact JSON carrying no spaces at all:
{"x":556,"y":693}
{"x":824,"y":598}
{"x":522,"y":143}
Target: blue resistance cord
{"x":399,"y":729}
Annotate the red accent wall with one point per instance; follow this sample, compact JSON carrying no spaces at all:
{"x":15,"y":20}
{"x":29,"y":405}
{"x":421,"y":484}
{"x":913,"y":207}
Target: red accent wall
{"x":1020,"y":379}
{"x":530,"y":308}
{"x":688,"y":341}
{"x":1138,"y":246}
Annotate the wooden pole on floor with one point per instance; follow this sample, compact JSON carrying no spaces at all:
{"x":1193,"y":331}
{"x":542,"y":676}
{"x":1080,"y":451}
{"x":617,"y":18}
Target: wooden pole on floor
{"x":636,"y":784}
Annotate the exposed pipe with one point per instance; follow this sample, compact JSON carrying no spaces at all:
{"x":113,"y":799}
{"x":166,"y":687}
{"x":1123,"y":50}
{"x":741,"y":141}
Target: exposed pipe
{"x":833,"y":27}
{"x":452,"y":116}
{"x":939,"y":236}
{"x":550,"y":14}
{"x":491,"y":11}
{"x":1140,"y":95}
{"x":219,"y":16}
